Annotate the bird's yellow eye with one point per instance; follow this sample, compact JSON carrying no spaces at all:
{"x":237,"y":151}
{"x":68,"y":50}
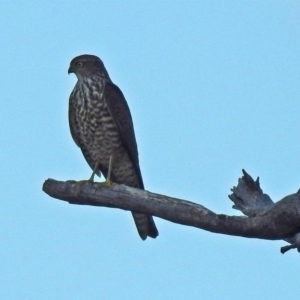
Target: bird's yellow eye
{"x":79,"y":64}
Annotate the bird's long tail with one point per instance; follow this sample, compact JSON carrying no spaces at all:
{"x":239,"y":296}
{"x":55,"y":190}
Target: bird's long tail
{"x":145,"y":225}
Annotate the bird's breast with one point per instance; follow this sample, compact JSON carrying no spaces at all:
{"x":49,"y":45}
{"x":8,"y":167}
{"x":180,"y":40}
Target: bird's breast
{"x":97,"y":132}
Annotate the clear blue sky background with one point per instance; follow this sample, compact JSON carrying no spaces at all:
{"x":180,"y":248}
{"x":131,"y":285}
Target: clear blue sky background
{"x":213,"y":87}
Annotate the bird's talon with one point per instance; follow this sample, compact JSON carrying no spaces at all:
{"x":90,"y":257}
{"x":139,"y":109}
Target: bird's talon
{"x":81,"y":182}
{"x":91,"y":179}
{"x":106,"y":183}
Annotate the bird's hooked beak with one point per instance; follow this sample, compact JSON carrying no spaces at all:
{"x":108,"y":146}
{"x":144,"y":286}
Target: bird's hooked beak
{"x":70,"y":70}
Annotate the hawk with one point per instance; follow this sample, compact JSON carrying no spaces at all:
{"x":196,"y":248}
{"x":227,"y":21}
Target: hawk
{"x":102,"y":127}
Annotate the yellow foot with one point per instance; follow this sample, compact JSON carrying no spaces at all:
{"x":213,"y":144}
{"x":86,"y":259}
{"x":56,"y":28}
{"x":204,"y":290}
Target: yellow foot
{"x":107,"y":182}
{"x":91,"y":178}
{"x":81,"y":182}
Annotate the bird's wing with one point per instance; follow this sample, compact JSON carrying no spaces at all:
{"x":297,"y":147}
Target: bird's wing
{"x":120,"y":112}
{"x":72,"y":119}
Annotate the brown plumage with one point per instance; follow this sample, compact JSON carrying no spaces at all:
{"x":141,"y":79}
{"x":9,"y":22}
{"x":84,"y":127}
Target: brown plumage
{"x":101,"y":126}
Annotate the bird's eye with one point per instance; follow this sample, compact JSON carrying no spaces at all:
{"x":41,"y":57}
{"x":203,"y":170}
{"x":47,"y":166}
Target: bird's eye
{"x":79,"y":64}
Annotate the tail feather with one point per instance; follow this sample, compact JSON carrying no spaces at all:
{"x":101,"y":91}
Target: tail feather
{"x":152,"y":230}
{"x":145,"y":225}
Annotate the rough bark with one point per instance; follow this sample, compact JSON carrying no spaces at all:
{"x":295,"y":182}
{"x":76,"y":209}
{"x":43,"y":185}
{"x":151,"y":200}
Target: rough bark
{"x":264,"y":219}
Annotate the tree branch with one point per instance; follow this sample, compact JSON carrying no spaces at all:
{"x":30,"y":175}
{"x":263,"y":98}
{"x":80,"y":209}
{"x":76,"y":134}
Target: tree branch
{"x":265,"y":219}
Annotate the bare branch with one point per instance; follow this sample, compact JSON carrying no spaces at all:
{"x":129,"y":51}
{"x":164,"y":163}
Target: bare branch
{"x":266,"y":220}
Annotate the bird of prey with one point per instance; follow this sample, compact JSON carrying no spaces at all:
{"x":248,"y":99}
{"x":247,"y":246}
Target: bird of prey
{"x":102,"y":127}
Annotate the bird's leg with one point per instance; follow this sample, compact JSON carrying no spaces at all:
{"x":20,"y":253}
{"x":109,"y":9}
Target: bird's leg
{"x":94,"y":172}
{"x":107,"y":181}
{"x":111,"y":158}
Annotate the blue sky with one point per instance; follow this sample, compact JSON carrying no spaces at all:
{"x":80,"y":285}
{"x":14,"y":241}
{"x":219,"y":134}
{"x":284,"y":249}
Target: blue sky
{"x":213,"y":87}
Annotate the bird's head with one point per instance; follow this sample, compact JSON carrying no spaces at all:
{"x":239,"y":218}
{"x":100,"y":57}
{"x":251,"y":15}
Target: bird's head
{"x":87,"y":66}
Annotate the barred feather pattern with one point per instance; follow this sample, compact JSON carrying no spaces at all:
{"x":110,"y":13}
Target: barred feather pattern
{"x":95,"y":132}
